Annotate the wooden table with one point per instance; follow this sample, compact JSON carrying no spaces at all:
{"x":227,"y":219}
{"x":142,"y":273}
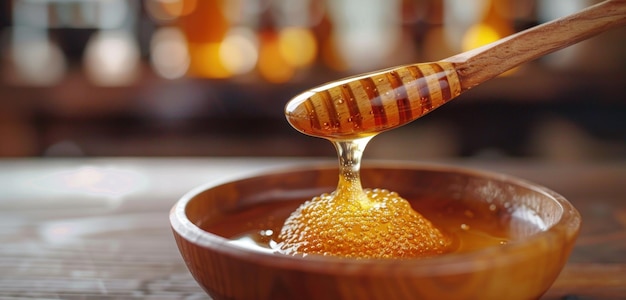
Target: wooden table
{"x":99,"y":228}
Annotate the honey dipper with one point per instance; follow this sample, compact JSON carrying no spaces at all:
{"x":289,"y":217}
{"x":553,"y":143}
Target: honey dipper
{"x":366,"y":104}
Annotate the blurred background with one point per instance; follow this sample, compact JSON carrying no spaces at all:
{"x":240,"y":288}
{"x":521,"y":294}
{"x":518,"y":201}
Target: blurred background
{"x":211,"y":78}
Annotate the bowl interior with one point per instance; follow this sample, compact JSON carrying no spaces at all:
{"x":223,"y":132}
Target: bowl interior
{"x":539,"y":224}
{"x":521,"y":208}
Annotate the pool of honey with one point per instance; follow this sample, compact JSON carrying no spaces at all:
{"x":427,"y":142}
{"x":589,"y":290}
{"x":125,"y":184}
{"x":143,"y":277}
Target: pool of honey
{"x":472,"y":226}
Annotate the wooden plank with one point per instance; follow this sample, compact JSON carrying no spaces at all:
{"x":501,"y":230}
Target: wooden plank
{"x":78,"y":244}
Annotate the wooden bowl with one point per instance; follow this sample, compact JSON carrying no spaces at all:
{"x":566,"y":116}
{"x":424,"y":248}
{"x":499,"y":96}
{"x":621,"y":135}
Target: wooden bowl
{"x":542,"y":226}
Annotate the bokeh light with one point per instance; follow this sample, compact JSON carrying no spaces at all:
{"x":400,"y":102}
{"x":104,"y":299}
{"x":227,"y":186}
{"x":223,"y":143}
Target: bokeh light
{"x":239,"y":50}
{"x":297,"y":46}
{"x":272,"y":66}
{"x":479,"y":35}
{"x":37,"y":60}
{"x":169,"y":55}
{"x":207,"y":62}
{"x":112,"y":58}
{"x":205,"y":29}
{"x":365,"y":32}
{"x":168,"y":10}
{"x":458,"y":17}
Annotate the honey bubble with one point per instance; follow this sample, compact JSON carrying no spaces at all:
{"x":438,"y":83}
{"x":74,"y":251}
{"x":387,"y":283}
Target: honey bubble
{"x":361,"y":224}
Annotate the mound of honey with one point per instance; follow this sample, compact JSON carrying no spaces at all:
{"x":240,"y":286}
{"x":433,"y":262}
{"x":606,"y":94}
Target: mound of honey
{"x":370,"y":223}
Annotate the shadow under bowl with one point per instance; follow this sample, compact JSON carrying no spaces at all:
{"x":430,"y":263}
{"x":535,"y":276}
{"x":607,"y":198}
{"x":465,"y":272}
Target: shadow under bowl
{"x":541,"y":226}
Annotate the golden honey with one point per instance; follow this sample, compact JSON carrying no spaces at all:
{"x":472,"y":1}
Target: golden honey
{"x":374,"y":223}
{"x":358,"y":223}
{"x":466,"y":228}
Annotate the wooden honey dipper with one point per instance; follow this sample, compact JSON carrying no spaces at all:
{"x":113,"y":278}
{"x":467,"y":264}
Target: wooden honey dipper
{"x":366,"y":104}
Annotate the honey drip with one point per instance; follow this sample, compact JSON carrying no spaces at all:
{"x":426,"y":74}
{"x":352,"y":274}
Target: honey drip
{"x":352,"y":222}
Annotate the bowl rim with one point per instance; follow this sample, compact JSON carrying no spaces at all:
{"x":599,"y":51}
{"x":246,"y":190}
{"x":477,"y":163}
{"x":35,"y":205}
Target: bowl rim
{"x":568,"y":225}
